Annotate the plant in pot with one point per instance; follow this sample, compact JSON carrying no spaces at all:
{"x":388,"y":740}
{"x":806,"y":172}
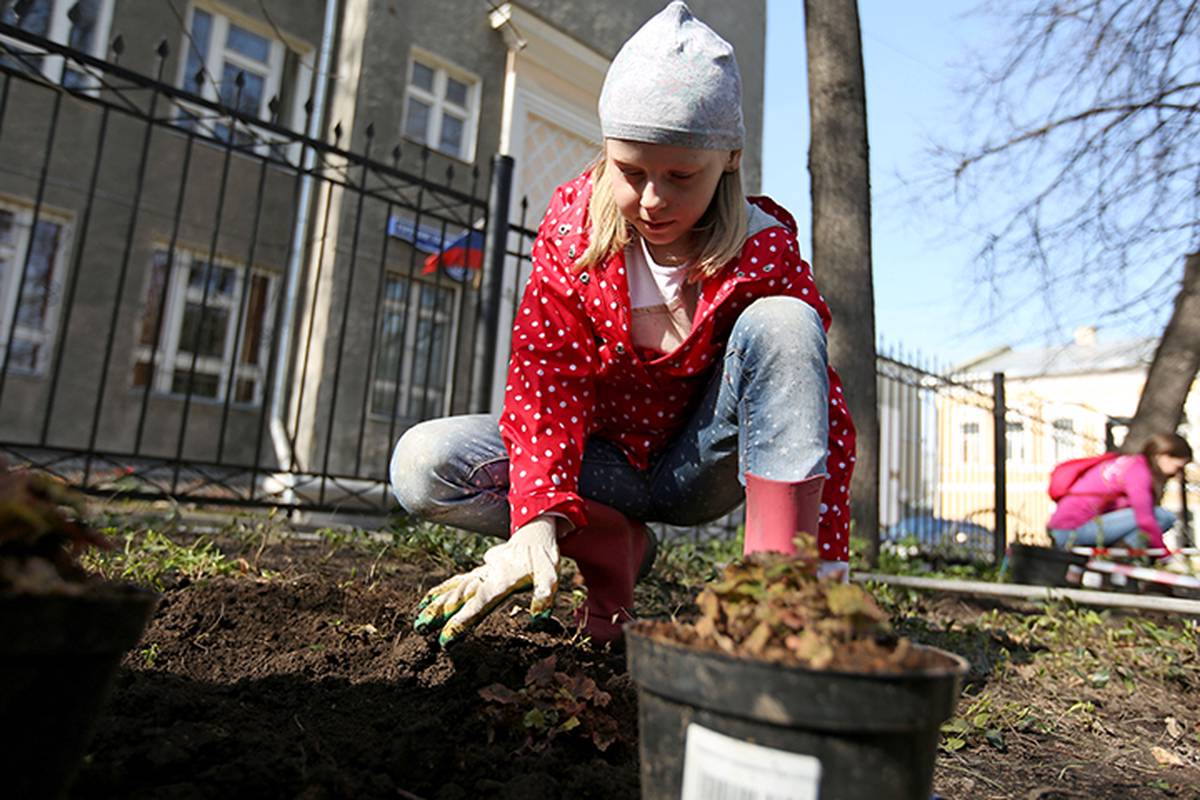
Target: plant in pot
{"x":62,"y":633}
{"x":787,"y":686}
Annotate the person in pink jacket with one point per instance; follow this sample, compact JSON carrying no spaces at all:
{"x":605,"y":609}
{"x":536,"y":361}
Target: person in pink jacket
{"x":668,"y":359}
{"x":1116,"y":500}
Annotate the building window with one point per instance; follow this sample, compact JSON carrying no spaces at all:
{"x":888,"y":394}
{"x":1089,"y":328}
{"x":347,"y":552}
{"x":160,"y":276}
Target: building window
{"x":1014,"y":441}
{"x":32,"y":318}
{"x":219,"y":49}
{"x":228,"y":357}
{"x":416,"y":349}
{"x":85,"y":30}
{"x":970,"y":442}
{"x":1064,"y":439}
{"x":441,"y":107}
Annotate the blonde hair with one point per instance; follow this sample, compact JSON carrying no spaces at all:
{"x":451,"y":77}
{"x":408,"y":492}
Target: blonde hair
{"x":722,"y":228}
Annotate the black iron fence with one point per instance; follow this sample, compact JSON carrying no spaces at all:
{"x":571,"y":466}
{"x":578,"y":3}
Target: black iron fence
{"x":956,"y":447}
{"x":199,"y":303}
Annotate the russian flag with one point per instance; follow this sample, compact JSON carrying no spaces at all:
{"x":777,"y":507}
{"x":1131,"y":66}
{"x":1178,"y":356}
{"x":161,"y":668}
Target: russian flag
{"x":464,"y":252}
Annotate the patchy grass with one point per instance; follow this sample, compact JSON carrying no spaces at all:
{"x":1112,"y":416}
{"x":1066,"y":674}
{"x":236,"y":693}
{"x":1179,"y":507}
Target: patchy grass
{"x":152,"y":558}
{"x":906,"y":558}
{"x":447,"y":547}
{"x":1078,"y":701}
{"x":1050,"y":680}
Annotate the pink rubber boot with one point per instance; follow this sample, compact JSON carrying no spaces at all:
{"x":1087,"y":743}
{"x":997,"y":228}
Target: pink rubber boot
{"x":777,"y":510}
{"x":612,"y":552}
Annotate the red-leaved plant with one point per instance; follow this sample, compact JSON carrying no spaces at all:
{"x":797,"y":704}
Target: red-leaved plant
{"x":550,"y":705}
{"x":41,"y":534}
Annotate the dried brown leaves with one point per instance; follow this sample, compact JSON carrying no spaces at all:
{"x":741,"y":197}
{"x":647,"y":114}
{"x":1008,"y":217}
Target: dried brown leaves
{"x":773,"y":607}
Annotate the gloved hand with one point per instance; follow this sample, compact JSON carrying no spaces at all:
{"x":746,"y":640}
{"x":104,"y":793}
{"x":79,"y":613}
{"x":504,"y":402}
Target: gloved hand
{"x":528,"y":559}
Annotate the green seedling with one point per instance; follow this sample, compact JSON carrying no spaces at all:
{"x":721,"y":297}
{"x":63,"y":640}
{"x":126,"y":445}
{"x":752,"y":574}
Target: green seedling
{"x":987,"y":722}
{"x":149,"y":656}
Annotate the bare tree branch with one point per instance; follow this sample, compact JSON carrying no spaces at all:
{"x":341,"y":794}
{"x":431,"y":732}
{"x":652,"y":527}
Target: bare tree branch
{"x":1080,"y":160}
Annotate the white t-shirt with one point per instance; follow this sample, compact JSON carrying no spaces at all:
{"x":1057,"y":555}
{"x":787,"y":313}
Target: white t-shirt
{"x":663,"y":301}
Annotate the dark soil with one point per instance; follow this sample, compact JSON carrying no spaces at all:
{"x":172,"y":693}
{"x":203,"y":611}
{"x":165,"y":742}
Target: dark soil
{"x":310,"y":683}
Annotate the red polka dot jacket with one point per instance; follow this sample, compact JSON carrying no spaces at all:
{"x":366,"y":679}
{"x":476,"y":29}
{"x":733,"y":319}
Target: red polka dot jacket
{"x":574,"y":371}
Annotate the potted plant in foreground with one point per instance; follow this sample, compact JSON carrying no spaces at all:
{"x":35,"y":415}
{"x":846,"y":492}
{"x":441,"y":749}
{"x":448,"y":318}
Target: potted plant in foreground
{"x":62,"y":633}
{"x":790,"y":687}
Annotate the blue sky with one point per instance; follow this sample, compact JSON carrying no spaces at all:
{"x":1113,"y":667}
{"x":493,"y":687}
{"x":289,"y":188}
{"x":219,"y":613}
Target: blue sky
{"x":913,"y":52}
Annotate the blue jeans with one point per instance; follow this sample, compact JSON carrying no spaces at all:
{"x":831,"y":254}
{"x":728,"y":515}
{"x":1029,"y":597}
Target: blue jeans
{"x":764,"y":411}
{"x":1106,"y":530}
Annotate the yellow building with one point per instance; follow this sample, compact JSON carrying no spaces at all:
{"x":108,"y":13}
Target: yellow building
{"x":1060,"y":400}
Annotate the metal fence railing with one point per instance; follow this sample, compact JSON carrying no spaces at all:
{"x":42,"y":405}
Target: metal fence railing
{"x":200,"y":304}
{"x":956,"y":447}
{"x":203,"y":304}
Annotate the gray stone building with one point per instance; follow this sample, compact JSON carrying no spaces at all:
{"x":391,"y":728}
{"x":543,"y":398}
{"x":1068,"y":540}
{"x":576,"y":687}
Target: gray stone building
{"x":183,"y":284}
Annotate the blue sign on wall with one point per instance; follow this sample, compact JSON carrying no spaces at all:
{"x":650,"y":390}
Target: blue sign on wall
{"x":426,"y":239}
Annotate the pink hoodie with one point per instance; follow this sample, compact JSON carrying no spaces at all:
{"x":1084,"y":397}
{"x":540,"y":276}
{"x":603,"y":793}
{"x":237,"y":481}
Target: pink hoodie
{"x":1124,"y":482}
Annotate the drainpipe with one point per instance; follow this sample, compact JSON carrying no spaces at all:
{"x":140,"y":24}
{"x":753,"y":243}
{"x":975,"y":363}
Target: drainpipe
{"x":279,"y":438}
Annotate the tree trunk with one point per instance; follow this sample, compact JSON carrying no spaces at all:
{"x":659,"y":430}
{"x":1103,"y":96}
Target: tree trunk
{"x":841,"y":207}
{"x":1174,"y":367}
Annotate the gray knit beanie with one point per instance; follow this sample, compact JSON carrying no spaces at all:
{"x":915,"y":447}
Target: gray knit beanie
{"x":674,"y":82}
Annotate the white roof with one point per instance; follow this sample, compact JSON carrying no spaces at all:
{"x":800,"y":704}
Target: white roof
{"x":1065,"y":359}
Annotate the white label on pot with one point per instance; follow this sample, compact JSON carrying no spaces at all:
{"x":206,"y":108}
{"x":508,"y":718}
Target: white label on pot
{"x":719,"y":767}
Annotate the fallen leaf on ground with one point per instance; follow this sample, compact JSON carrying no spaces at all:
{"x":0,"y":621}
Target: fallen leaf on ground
{"x":1165,"y":757}
{"x":1174,"y":729}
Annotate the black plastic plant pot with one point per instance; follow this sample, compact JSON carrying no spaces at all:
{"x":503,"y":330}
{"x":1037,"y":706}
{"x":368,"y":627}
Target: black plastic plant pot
{"x":59,"y":655}
{"x":1044,"y":566}
{"x":711,"y":725}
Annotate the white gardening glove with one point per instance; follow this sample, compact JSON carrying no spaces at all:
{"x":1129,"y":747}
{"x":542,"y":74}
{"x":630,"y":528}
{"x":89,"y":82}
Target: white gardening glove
{"x":529,"y":559}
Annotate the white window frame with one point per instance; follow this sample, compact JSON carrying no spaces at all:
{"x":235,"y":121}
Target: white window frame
{"x":1016,"y":441}
{"x":59,"y":31}
{"x":219,"y":54}
{"x":10,"y":283}
{"x":179,"y":293}
{"x":1063,"y":439}
{"x":409,"y":346}
{"x":443,"y":69}
{"x":970,"y":432}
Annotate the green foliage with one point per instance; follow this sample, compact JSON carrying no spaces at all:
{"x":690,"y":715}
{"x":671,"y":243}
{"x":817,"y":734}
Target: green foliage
{"x":692,"y":563}
{"x":1113,"y":652}
{"x":449,"y":547}
{"x":149,"y":656}
{"x":340,"y":538}
{"x":154,"y":559}
{"x":682,"y":566}
{"x":1078,"y":656}
{"x":908,"y":558}
{"x":551,"y":704}
{"x":986,"y":722}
